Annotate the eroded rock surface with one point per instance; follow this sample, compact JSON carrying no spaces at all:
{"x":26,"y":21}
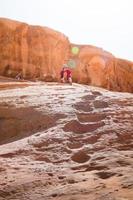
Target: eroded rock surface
{"x":64,"y":152}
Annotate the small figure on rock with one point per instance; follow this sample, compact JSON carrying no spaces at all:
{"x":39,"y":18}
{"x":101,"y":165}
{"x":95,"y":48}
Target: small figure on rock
{"x":62,"y":74}
{"x":66,"y":74}
{"x":19,"y":76}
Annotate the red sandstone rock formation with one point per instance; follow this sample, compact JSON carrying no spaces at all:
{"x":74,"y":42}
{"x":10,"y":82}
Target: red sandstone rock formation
{"x":100,"y":68}
{"x":39,"y":52}
{"x":35,"y":51}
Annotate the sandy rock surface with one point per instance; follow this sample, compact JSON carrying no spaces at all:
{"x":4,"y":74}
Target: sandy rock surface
{"x":65,"y":142}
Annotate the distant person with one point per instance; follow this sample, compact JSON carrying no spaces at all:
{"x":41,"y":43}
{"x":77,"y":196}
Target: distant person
{"x":19,"y":76}
{"x":62,"y":74}
{"x":66,"y":73}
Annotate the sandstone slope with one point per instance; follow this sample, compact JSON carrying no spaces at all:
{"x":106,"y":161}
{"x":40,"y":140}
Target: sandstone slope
{"x":65,"y":142}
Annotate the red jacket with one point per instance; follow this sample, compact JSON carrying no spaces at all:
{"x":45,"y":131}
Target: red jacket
{"x":69,"y":73}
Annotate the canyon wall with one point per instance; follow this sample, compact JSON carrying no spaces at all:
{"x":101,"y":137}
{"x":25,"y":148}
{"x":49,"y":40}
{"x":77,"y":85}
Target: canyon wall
{"x":100,"y":68}
{"x":34,"y":51}
{"x":39,"y":53}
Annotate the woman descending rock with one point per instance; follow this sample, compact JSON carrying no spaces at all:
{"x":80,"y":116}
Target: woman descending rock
{"x":66,"y":74}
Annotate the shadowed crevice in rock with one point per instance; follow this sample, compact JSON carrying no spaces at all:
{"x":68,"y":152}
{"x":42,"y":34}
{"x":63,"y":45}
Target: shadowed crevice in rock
{"x":75,"y":145}
{"x":105,"y":174}
{"x":42,"y":158}
{"x":93,"y":167}
{"x":126,"y":147}
{"x":126,"y":138}
{"x":96,"y":93}
{"x":76,"y":127}
{"x":89,"y":97}
{"x":100,"y":104}
{"x":80,"y":157}
{"x":123,"y":163}
{"x":83,"y":106}
{"x":18,"y":123}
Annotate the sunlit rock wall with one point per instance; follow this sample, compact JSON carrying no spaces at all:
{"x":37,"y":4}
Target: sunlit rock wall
{"x":39,"y":53}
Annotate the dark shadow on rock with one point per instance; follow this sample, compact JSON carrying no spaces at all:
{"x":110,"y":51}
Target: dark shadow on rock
{"x":18,"y":123}
{"x":76,"y":127}
{"x":105,"y":174}
{"x":80,"y":157}
{"x":89,"y":97}
{"x":100,"y":104}
{"x":91,"y":139}
{"x":75,"y":145}
{"x":96,"y":93}
{"x":83,"y":106}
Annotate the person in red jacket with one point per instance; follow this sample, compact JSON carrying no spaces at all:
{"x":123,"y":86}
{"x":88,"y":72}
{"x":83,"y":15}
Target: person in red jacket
{"x":66,"y":72}
{"x":68,"y":75}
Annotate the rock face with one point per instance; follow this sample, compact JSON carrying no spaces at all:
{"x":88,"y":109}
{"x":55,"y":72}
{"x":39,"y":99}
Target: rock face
{"x":39,"y":52}
{"x":51,"y":147}
{"x":35,"y":51}
{"x":100,"y":68}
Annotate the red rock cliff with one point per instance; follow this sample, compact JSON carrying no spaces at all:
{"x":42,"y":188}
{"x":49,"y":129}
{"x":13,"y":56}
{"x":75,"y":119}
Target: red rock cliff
{"x":39,"y":52}
{"x":100,"y":68}
{"x":35,"y":51}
